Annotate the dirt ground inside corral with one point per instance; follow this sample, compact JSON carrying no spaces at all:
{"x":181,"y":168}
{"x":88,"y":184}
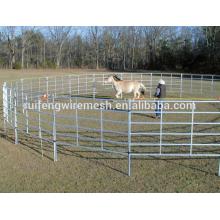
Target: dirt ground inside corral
{"x":23,"y":169}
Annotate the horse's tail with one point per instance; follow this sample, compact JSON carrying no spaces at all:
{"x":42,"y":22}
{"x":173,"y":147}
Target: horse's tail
{"x":143,"y":89}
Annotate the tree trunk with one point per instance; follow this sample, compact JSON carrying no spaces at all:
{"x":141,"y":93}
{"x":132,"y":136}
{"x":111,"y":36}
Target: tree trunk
{"x":44,"y":54}
{"x":58,"y":59}
{"x":58,"y":62}
{"x":22,"y":57}
{"x":132,"y":59}
{"x":97,"y":54}
{"x":97,"y":60}
{"x":124,"y":61}
{"x":12,"y":62}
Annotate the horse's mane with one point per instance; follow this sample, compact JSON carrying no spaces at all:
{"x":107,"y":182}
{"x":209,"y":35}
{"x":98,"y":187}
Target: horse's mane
{"x":116,"y":78}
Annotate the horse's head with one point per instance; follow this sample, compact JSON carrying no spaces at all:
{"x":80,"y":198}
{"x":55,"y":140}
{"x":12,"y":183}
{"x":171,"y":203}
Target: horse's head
{"x":116,"y":78}
{"x":112,"y":79}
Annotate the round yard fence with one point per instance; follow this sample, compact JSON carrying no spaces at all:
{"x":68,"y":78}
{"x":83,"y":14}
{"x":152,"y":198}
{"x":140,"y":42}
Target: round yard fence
{"x":82,"y":111}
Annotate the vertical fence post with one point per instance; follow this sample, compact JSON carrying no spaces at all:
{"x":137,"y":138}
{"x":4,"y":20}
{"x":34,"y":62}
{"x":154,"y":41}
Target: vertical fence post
{"x":5,"y":122}
{"x":70,"y":87}
{"x":39,"y":126}
{"x":86,"y":84}
{"x":121,"y":75}
{"x":15,"y":118}
{"x":11,"y":103}
{"x":171,"y":82}
{"x":103,"y":79}
{"x":101,"y":125}
{"x":47,"y":87}
{"x":160,"y":108}
{"x":191,"y":87}
{"x":55,"y":87}
{"x":78,"y":84}
{"x":181,"y":85}
{"x":192,"y":124}
{"x":22,"y":93}
{"x":201,"y":84}
{"x":54,"y":133}
{"x":129,"y":137}
{"x":151,"y":84}
{"x":5,"y":105}
{"x":16,"y":90}
{"x":62,"y":87}
{"x":31,"y":90}
{"x":5,"y":126}
{"x":26,"y":114}
{"x":76,"y":121}
{"x":39,"y":87}
{"x":212,"y":85}
{"x":94,"y":87}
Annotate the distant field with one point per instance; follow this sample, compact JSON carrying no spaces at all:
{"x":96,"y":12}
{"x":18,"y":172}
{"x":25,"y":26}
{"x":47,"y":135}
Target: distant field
{"x":22,"y":169}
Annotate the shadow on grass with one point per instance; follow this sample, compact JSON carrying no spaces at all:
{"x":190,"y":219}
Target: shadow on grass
{"x":33,"y":146}
{"x":176,"y":162}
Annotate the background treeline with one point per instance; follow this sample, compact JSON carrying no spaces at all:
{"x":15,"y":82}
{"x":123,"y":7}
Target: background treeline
{"x":191,"y":49}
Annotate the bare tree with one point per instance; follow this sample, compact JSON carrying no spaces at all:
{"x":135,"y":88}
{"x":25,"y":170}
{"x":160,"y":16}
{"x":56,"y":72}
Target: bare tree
{"x":134,"y":35}
{"x":108,"y":42}
{"x":59,"y":35}
{"x":122,"y":45}
{"x":210,"y":36}
{"x":153,"y":35}
{"x":11,"y":39}
{"x":96,"y":32}
{"x":26,"y":35}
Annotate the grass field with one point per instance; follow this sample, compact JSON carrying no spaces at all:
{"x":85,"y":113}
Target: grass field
{"x":23,"y":169}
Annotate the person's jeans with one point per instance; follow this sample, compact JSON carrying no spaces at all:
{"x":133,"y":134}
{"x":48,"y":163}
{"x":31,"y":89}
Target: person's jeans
{"x":158,"y":108}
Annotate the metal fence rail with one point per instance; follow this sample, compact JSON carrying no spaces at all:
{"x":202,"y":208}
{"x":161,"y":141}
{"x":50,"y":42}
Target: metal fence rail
{"x":129,"y":132}
{"x":191,"y":140}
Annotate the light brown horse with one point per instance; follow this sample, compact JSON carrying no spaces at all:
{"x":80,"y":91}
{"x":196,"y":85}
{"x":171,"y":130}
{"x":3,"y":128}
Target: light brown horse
{"x":126,"y":86}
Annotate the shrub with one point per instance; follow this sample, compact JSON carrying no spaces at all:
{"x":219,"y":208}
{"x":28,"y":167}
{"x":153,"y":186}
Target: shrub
{"x":17,"y":66}
{"x":50,"y":64}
